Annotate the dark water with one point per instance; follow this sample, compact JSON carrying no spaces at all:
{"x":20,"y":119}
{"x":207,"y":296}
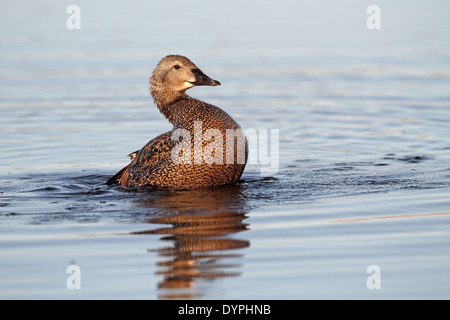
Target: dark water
{"x":361,"y":177}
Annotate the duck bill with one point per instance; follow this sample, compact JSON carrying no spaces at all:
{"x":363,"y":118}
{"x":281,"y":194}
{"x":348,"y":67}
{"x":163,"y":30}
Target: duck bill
{"x":202,"y":79}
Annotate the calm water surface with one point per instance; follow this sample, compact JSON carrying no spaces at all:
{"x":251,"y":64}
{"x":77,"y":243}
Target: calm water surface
{"x":364,"y":152}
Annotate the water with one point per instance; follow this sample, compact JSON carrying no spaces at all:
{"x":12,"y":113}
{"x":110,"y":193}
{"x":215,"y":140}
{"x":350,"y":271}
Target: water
{"x":364,"y":153}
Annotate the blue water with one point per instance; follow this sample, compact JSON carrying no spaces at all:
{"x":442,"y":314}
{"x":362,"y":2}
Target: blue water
{"x":363,"y":170}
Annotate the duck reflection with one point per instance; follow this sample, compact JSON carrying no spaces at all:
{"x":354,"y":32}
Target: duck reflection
{"x":200,"y":226}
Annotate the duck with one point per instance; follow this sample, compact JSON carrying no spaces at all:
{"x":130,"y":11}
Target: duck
{"x":206,"y":146}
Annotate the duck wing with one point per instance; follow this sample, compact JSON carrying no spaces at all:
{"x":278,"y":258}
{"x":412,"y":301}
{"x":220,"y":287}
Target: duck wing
{"x":155,"y":151}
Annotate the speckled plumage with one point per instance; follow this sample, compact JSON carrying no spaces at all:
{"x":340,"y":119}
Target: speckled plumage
{"x":153,"y":165}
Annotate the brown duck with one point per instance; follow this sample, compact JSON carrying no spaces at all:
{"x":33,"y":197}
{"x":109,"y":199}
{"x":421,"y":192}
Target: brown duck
{"x":206,"y":147}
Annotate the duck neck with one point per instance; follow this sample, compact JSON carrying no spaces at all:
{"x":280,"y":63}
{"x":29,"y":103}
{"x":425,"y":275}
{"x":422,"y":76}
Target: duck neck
{"x":164,"y":100}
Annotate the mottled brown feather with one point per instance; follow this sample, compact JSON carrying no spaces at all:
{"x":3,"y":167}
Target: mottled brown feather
{"x":153,"y":166}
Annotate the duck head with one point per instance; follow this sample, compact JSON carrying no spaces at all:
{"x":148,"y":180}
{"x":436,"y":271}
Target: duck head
{"x":176,"y":73}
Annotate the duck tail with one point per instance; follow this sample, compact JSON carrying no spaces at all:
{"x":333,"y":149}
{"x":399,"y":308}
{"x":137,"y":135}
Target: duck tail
{"x":115,"y":178}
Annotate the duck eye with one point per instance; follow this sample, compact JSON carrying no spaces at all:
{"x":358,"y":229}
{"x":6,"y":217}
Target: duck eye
{"x":176,"y":66}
